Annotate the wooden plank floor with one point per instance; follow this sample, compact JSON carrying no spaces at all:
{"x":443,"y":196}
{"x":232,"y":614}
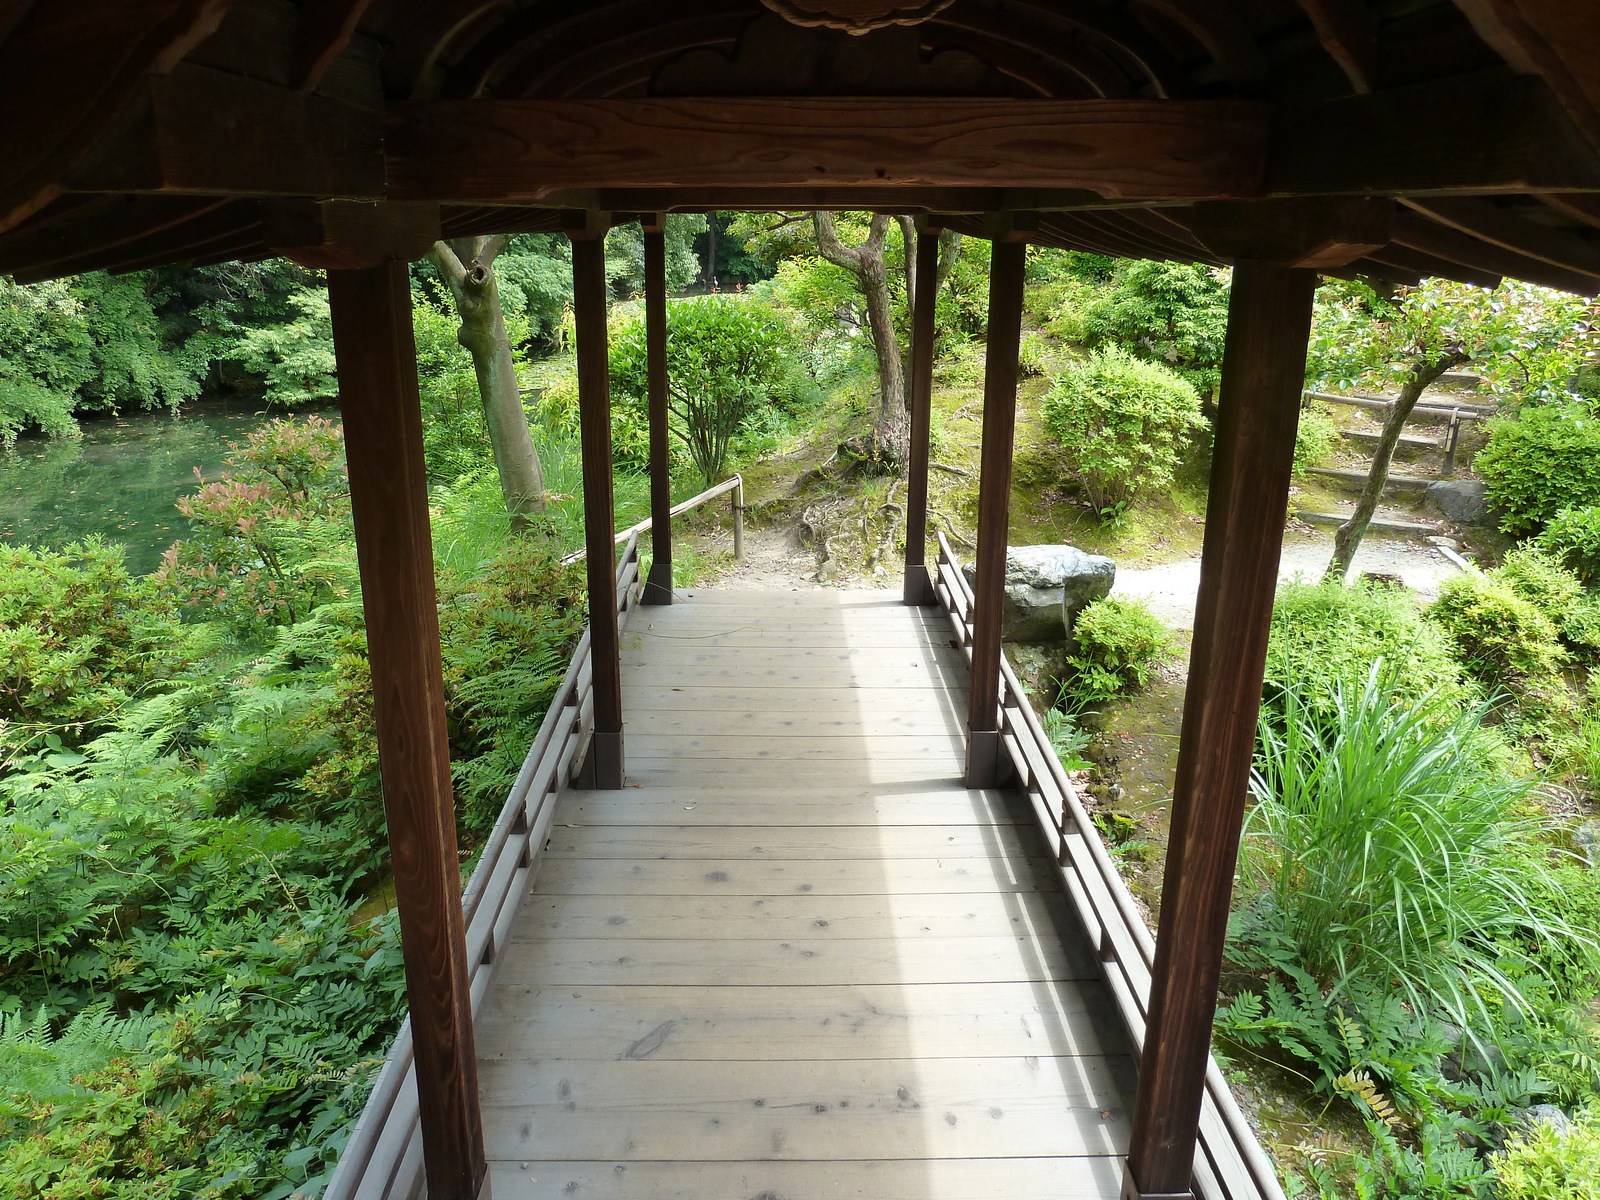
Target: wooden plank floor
{"x":794,"y":959}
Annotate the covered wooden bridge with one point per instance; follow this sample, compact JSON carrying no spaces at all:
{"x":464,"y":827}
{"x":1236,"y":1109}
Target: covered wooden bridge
{"x":831,"y":923}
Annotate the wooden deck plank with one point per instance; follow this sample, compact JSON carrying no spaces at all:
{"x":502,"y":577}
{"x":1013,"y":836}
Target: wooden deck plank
{"x":753,"y":638}
{"x":797,"y":721}
{"x":680,"y":771}
{"x":885,"y":1108}
{"x":942,"y":1020}
{"x":823,"y":747}
{"x":841,"y":700}
{"x":693,"y":661}
{"x":603,"y":877}
{"x":1085,"y":1178}
{"x":702,"y":806}
{"x":832,"y":918}
{"x":828,"y":843}
{"x":808,"y":962}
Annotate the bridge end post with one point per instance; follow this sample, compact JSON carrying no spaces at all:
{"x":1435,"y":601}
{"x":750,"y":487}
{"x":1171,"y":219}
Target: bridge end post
{"x":918,"y":586}
{"x":658,"y":586}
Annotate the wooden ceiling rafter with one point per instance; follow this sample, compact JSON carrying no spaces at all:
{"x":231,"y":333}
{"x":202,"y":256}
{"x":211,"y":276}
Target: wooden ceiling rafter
{"x":1349,"y":33}
{"x":1220,"y":33}
{"x":326,"y":28}
{"x":1449,"y":244}
{"x":1499,"y":226}
{"x":630,"y":55}
{"x":1559,"y":40}
{"x":125,"y":219}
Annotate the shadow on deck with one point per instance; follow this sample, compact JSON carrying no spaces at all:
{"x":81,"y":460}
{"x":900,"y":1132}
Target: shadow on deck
{"x":794,"y":957}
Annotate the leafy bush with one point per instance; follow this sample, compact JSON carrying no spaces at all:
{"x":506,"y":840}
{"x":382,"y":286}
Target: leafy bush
{"x":1540,"y":463}
{"x":294,"y":358}
{"x":1314,"y":437}
{"x":1383,"y":850}
{"x":1118,"y":643}
{"x":1124,"y":424}
{"x":727,"y":359}
{"x":1551,"y":1165}
{"x":1175,"y":314}
{"x":1573,"y":539}
{"x":1326,"y":635}
{"x":1500,"y":637}
{"x":1543,"y":582}
{"x":263,"y":548}
{"x":82,"y":638}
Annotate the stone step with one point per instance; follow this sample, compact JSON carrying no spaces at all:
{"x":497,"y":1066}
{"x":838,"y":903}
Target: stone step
{"x":1381,"y":522}
{"x":1399,"y":483}
{"x":1409,"y":440}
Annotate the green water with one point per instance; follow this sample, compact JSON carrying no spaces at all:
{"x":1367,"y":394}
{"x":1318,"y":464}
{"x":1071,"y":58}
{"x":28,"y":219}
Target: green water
{"x":122,"y":480}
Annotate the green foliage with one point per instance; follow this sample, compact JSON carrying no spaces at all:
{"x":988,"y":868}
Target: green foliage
{"x":82,"y":638}
{"x":455,"y":437}
{"x":1124,"y":424}
{"x":728,"y":360}
{"x":267,"y":535}
{"x":1573,"y":539}
{"x":1326,"y":636}
{"x":1118,"y":643}
{"x":625,"y":253}
{"x":1383,"y":848}
{"x":294,"y":358}
{"x":1315,"y":436}
{"x":1525,"y":341}
{"x":1174,"y":314}
{"x":1543,"y":582}
{"x":1067,"y":738}
{"x":1551,"y":1165}
{"x":1540,"y":463}
{"x":1501,"y":637}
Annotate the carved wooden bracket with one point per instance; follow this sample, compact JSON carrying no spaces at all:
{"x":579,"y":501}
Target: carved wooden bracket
{"x":856,"y":16}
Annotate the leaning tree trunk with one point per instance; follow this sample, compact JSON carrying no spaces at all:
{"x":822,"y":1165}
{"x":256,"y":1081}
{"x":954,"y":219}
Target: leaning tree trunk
{"x":891,"y":431}
{"x":1347,"y":539}
{"x":467,"y":266}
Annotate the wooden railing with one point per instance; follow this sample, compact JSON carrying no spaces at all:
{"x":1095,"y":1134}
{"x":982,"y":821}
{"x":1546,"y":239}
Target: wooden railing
{"x":1230,"y":1164}
{"x":383,"y":1158}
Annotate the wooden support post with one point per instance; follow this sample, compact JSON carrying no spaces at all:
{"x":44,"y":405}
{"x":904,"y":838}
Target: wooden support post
{"x":918,"y":588}
{"x":658,"y":588}
{"x":604,"y":762}
{"x":377,"y":362}
{"x":986,"y":760}
{"x":1263,"y":373}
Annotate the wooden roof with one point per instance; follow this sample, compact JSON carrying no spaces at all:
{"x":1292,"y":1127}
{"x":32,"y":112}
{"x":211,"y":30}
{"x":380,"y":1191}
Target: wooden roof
{"x":1461,"y":138}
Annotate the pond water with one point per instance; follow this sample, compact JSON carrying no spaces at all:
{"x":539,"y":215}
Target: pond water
{"x":122,"y":480}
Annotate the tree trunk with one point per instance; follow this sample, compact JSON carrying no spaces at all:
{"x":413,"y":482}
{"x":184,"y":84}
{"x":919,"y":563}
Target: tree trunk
{"x":1347,"y":539}
{"x":467,"y":267}
{"x":891,"y":431}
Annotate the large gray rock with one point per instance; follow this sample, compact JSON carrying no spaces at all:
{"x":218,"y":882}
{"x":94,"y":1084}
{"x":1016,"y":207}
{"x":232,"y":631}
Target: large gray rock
{"x":1460,"y":500}
{"x":1045,"y":588}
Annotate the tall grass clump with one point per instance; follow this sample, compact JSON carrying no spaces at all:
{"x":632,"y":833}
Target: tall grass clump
{"x":1382,"y":848}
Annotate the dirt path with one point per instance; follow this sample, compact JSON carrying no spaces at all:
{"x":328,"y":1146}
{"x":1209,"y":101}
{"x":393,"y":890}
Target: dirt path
{"x":1170,"y":589}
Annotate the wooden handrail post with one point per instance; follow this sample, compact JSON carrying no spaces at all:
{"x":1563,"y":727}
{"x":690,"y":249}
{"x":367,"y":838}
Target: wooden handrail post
{"x":377,"y":364}
{"x":986,"y":759}
{"x":604,"y":764}
{"x":658,"y":588}
{"x":737,"y":501}
{"x":1263,"y":372}
{"x":918,"y":587}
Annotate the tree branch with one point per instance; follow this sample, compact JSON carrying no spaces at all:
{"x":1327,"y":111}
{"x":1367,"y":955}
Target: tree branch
{"x":829,"y":245}
{"x":444,"y":258}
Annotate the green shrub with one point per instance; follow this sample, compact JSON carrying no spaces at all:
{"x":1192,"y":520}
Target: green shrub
{"x":1119,"y":643}
{"x":1325,"y":635}
{"x":1543,"y":582}
{"x":1175,"y":314}
{"x":1314,"y":437}
{"x":1500,"y":637}
{"x":1573,"y":539}
{"x":1541,"y":463}
{"x":1124,"y":424}
{"x":82,"y":637}
{"x":1381,"y":848}
{"x":1546,"y":1165}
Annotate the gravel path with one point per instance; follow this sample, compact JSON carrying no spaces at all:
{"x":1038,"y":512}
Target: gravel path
{"x":1170,"y":588}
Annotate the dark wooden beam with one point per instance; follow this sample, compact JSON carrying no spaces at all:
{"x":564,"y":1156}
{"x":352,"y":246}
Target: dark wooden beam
{"x":1443,"y":242}
{"x":1578,"y":205}
{"x":1263,"y":374}
{"x":918,"y":587}
{"x":1485,"y":132}
{"x":88,"y":235}
{"x":1489,"y":222}
{"x":510,"y":150}
{"x":66,"y":70}
{"x":590,"y":291}
{"x":986,"y":757}
{"x":1415,"y":262}
{"x":326,"y":27}
{"x":1312,"y":231}
{"x":1557,"y":39}
{"x":360,"y":233}
{"x":1349,"y":34}
{"x":389,"y":499}
{"x":208,"y":132}
{"x":658,"y":588}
